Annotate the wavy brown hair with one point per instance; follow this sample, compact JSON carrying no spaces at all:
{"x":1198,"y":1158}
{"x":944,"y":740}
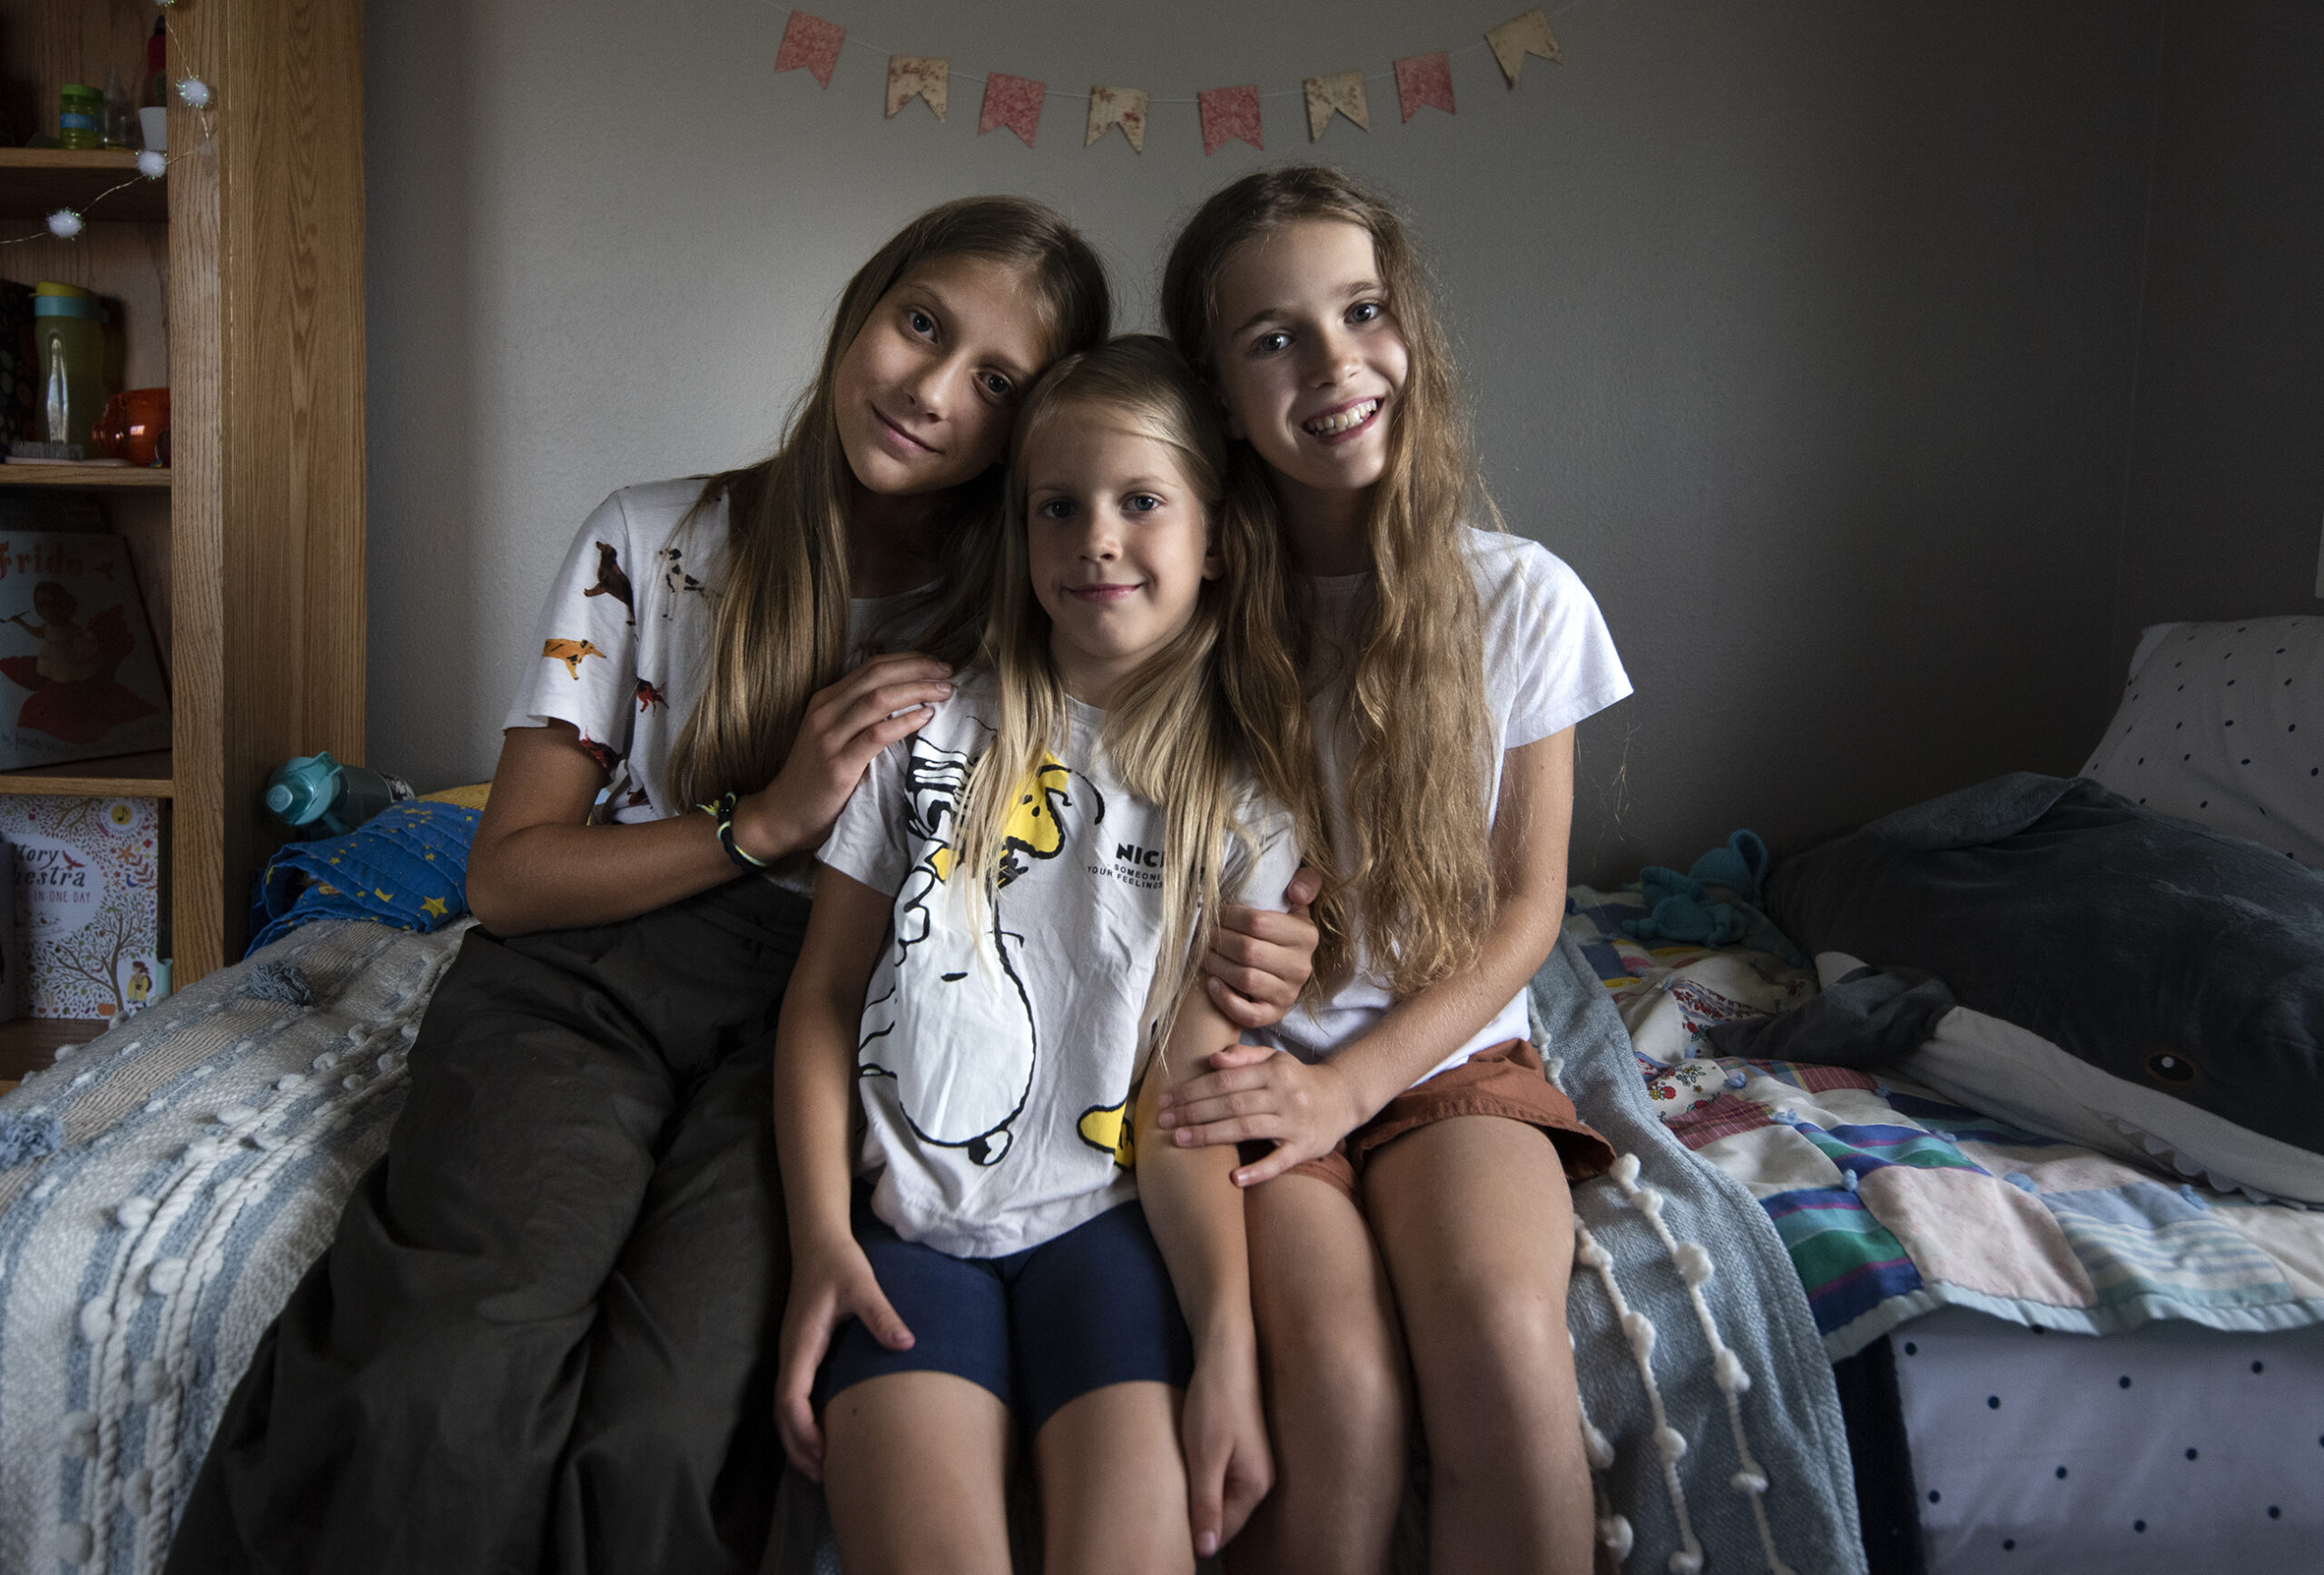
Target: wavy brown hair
{"x":1421,"y":870}
{"x":1172,"y":733}
{"x":782,"y":619}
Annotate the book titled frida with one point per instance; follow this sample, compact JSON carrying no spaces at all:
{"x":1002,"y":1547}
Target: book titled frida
{"x":87,"y":904}
{"x":79,"y":676}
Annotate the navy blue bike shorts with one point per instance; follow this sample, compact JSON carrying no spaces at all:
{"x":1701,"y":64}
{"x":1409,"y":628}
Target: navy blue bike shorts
{"x":1038,"y":1328}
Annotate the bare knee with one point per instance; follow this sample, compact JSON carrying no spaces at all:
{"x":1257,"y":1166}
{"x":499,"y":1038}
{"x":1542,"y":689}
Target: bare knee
{"x":1496,"y":1371}
{"x":1341,"y":1401}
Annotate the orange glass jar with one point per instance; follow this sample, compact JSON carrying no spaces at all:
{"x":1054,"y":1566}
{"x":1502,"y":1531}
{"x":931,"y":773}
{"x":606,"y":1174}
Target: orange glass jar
{"x":133,"y":424}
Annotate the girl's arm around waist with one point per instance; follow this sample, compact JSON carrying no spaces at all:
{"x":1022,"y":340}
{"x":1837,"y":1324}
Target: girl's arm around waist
{"x":537,"y":864}
{"x":1248,"y":1093}
{"x":1197,"y":1218}
{"x":814,"y":1113}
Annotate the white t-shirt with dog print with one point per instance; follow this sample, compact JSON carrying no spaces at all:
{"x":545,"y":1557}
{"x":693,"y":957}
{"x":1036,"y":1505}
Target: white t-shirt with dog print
{"x":624,"y":638}
{"x":1549,"y":663}
{"x":1000,"y":1053}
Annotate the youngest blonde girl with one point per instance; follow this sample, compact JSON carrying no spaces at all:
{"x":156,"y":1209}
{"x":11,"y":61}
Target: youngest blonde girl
{"x":1006,"y":928}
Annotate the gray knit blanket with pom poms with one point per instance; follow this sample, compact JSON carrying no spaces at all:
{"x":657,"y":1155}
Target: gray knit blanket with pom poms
{"x":161,"y":1189}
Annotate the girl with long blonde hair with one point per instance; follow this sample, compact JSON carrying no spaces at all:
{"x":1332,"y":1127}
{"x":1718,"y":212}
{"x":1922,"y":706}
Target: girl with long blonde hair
{"x":1414,"y":1198}
{"x":543,"y":1335}
{"x":1000,"y":973}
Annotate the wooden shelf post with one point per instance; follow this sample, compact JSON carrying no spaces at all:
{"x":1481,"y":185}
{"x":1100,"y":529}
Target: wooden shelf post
{"x":266,"y":354}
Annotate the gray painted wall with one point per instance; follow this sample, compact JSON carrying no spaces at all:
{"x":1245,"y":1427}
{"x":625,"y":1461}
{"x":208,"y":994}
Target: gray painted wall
{"x":1805,"y":332}
{"x":2226,"y":494}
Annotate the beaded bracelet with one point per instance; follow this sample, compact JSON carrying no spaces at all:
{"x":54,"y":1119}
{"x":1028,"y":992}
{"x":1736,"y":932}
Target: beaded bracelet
{"x":722,"y":811}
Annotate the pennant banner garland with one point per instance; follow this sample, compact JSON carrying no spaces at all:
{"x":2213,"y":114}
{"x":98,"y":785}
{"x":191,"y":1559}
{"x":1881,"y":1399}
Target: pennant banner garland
{"x":1515,"y":39}
{"x":1014,"y":102}
{"x":1424,"y":80}
{"x":1229,"y":114}
{"x":1117,"y":107}
{"x":1342,"y":93}
{"x":912,"y":76}
{"x":812,"y":43}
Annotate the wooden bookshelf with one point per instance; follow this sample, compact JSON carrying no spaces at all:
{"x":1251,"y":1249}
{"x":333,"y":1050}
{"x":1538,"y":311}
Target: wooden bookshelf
{"x":28,"y":1045}
{"x":99,"y":477}
{"x":36,"y":181}
{"x":239,"y":281}
{"x":128,"y":776}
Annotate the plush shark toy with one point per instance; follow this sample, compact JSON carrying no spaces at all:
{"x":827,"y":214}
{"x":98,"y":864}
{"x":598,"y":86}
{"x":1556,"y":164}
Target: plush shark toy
{"x":2157,"y":987}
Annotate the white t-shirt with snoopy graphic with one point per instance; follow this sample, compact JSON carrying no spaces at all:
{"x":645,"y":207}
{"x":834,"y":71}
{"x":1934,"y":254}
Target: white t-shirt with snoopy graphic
{"x":998,"y":1060}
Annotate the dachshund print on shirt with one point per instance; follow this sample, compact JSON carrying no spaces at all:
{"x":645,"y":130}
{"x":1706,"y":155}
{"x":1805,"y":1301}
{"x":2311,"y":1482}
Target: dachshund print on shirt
{"x":572,"y":653}
{"x":611,"y":581}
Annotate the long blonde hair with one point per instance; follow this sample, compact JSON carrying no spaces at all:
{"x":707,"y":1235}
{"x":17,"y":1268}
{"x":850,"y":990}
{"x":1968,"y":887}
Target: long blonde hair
{"x":1171,"y":733}
{"x":1422,"y":868}
{"x":781,"y":620}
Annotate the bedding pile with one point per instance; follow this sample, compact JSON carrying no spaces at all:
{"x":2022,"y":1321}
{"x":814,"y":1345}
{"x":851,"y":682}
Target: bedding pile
{"x":171,"y":1181}
{"x":1894,"y":1199}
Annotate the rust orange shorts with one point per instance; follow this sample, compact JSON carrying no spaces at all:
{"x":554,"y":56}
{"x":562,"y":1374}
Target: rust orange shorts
{"x":1505,"y":1081}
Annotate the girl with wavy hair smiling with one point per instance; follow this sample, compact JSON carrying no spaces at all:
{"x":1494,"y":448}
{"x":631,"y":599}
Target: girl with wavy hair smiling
{"x":1415,"y":1197}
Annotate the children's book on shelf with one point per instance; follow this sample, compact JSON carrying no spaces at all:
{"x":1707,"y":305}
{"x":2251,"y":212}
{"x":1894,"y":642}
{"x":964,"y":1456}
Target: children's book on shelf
{"x":79,"y":676}
{"x":86,"y":873}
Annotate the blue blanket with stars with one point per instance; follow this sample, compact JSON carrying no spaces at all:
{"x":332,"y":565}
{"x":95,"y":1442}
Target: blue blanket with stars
{"x":406,"y":866}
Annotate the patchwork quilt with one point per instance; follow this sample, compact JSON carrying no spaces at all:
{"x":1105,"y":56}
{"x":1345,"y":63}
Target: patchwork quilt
{"x":1894,"y":1201}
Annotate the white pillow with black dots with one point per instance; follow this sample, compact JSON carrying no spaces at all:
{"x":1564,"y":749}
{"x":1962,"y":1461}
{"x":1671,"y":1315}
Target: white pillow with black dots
{"x":2223,"y":725}
{"x":2170,"y":1450}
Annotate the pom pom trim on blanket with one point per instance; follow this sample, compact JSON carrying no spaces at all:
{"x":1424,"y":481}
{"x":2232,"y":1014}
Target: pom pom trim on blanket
{"x":1732,"y":1380}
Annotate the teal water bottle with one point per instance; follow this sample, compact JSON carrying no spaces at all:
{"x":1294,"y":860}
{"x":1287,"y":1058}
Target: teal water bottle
{"x":321,"y":798}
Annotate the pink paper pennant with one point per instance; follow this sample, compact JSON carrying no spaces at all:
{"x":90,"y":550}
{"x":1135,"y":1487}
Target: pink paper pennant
{"x":1229,"y":114}
{"x":1424,"y":80}
{"x":1014,"y":102}
{"x":812,"y":43}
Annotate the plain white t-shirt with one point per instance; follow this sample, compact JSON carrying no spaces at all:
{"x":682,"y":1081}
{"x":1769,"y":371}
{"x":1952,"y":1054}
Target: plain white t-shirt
{"x":1549,"y":662}
{"x":999,"y":1054}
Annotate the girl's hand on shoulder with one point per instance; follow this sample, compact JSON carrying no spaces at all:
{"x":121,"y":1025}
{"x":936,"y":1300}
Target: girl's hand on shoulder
{"x":1251,"y":1093}
{"x":1259,"y":960}
{"x":827,"y":1288}
{"x":843,"y":728}
{"x":1223,"y":1437}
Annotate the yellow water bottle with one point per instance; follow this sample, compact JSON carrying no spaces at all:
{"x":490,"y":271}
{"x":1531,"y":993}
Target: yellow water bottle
{"x":79,"y":115}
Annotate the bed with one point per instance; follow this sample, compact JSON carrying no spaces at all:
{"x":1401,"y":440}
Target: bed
{"x":1805,"y":1305}
{"x":2072,"y":1294}
{"x":1957,"y":1268}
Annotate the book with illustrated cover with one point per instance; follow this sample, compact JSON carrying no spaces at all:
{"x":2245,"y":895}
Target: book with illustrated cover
{"x":79,"y":676}
{"x":87,"y":905}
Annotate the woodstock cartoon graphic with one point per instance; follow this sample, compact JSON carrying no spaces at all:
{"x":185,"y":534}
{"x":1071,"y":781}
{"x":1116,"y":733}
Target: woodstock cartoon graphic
{"x":954,"y":993}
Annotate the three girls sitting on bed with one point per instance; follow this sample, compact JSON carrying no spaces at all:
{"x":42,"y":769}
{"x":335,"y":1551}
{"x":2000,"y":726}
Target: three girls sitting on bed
{"x":1206,"y":1278}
